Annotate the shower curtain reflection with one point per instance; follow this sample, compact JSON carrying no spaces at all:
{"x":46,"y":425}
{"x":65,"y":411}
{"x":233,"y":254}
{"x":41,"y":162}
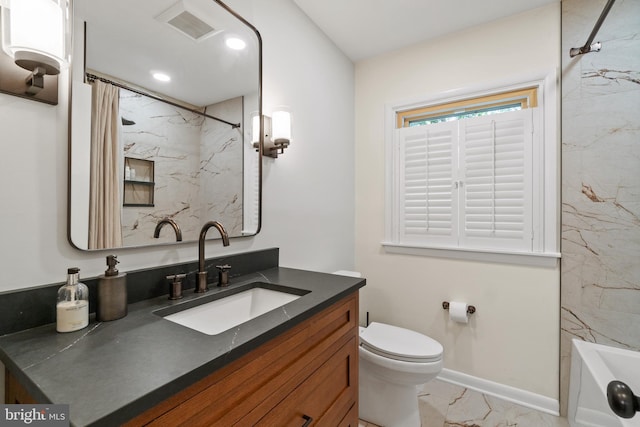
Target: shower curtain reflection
{"x":105,"y":230}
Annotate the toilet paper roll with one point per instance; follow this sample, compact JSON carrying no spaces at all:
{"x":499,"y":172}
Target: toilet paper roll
{"x":458,"y":312}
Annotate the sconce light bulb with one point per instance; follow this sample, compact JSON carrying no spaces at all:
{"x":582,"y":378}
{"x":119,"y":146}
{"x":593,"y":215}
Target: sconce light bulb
{"x":34,"y":33}
{"x":281,"y":126}
{"x":255,"y":129}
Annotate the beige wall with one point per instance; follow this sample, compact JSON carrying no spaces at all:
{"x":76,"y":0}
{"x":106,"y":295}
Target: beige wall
{"x":513,"y":339}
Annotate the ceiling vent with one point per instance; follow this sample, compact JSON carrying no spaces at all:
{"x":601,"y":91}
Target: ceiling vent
{"x":185,"y":17}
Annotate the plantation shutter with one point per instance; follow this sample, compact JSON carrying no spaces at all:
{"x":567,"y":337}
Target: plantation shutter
{"x":426,"y":201}
{"x":496,"y":181}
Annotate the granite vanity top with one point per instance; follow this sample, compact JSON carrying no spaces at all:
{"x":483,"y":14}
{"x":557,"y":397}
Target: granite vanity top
{"x":110,"y":372}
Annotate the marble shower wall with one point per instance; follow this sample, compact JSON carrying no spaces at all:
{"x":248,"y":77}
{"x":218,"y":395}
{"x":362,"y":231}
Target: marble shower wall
{"x":198,"y":168}
{"x":600,"y":180}
{"x":221,"y":178}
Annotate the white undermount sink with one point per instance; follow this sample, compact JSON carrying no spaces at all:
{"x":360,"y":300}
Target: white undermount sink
{"x":222,"y":314}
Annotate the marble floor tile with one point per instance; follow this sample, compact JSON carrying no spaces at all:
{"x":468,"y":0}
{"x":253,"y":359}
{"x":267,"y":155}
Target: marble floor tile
{"x":443,"y":404}
{"x":434,"y":401}
{"x":476,"y":409}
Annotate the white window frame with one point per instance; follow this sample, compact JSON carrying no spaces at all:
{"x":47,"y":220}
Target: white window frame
{"x":545,"y":250}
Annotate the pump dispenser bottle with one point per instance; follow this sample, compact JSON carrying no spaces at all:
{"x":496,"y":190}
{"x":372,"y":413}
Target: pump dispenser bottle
{"x":72,"y":309}
{"x":112,"y":293}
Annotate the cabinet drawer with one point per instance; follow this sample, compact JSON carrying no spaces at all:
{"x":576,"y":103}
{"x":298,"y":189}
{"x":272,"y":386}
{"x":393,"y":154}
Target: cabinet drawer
{"x":351,"y":419}
{"x":324,"y":397}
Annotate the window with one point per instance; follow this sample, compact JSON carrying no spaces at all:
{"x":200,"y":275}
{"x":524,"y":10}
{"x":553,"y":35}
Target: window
{"x":469,"y":174}
{"x":511,"y":100}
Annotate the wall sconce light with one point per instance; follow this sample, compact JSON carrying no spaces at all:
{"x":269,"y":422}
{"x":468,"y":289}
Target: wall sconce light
{"x":34,"y":37}
{"x":277,"y":133}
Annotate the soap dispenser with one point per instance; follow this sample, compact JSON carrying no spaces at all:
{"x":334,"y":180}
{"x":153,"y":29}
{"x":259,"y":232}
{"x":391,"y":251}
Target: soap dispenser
{"x":112,"y":293}
{"x":72,"y":308}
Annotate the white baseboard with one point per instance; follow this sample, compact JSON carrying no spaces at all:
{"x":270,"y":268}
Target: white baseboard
{"x":501,"y":391}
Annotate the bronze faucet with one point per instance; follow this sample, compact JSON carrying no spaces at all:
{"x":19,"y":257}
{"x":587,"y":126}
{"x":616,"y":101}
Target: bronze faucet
{"x":202,"y":273}
{"x":171,"y":222}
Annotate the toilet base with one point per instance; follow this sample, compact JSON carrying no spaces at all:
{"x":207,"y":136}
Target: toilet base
{"x":387,"y":404}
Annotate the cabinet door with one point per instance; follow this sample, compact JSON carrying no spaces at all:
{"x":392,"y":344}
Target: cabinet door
{"x":325,"y":397}
{"x":14,"y":392}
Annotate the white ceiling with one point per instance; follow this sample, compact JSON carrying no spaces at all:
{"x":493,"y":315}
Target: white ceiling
{"x":364,"y":28}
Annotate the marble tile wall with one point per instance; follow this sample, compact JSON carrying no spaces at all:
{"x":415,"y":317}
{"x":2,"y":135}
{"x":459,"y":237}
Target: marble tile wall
{"x":600,"y":270}
{"x":198,"y":168}
{"x":220,"y":176}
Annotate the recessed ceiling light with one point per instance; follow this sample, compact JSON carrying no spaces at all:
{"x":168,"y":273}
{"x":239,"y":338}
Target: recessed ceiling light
{"x":161,"y":77}
{"x":235,"y":43}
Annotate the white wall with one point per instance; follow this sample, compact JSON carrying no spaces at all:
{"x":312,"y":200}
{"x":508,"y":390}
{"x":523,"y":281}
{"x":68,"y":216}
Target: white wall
{"x":513,"y":337}
{"x":308,"y":192}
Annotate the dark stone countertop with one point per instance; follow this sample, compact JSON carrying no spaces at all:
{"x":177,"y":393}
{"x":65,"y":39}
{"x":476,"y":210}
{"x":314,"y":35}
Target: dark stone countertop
{"x":110,"y":372}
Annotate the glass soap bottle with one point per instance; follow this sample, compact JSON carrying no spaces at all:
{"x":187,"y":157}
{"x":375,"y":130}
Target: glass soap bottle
{"x":72,"y":309}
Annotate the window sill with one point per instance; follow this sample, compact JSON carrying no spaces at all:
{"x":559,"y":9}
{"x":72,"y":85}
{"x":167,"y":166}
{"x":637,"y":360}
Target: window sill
{"x":547,"y":259}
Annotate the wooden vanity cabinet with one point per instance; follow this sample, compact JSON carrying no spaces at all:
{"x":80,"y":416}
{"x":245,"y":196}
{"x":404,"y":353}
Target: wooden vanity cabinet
{"x":306,"y":376}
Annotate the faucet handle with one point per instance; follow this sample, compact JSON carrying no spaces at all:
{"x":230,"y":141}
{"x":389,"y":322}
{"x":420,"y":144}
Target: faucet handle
{"x":223,"y":274}
{"x":175,"y":288}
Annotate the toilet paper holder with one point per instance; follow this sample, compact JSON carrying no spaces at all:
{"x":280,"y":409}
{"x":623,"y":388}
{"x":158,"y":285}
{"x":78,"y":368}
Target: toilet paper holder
{"x":470,"y":309}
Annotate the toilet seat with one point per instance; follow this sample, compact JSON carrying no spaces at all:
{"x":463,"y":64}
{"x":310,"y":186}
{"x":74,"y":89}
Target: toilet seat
{"x":400,"y":344}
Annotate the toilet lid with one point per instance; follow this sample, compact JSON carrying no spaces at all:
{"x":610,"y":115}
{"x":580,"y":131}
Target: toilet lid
{"x":399,"y":343}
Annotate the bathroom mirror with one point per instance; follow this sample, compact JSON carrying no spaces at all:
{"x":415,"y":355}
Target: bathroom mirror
{"x":142,"y":149}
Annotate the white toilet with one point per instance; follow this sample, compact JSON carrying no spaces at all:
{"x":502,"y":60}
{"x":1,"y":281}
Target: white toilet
{"x":393,"y":363}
